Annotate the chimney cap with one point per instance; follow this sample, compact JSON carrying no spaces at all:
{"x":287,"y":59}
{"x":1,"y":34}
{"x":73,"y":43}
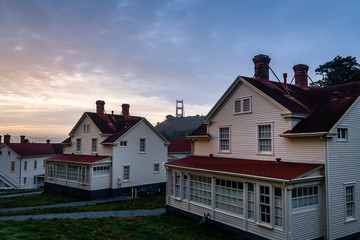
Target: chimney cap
{"x":261,"y":58}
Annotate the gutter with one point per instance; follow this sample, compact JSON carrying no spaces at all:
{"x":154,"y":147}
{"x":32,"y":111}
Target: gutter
{"x":310,"y":134}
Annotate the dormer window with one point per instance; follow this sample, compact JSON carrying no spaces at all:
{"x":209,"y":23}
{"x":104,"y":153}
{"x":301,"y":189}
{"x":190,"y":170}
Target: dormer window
{"x":242,"y":105}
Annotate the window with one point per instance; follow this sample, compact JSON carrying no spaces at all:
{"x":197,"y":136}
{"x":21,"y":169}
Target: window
{"x":78,"y":145}
{"x":305,"y":196}
{"x":123,"y":143}
{"x":264,"y":204}
{"x":142,"y":145}
{"x":156,"y":167}
{"x":229,"y":196}
{"x":34,"y":179}
{"x":264,"y":139}
{"x":60,"y":171}
{"x":349,"y":202}
{"x":342,"y":134}
{"x":200,"y":189}
{"x":99,"y":170}
{"x":50,"y":170}
{"x":278,"y":207}
{"x":9,"y":153}
{"x":94,"y":145}
{"x":86,"y":127}
{"x":251,"y":201}
{"x":25,"y":165}
{"x":25,"y":179}
{"x":0,"y":153}
{"x":35,"y":164}
{"x":84,"y":174}
{"x":224,"y":139}
{"x":185,"y":186}
{"x":177,"y":184}
{"x":242,"y":105}
{"x":126,"y":173}
{"x":73,"y":173}
{"x":12,"y":167}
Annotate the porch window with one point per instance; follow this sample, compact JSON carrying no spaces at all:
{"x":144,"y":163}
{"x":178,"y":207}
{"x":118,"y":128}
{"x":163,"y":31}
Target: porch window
{"x":60,"y":171}
{"x":251,"y":201}
{"x":99,"y":170}
{"x":177,"y":184}
{"x":264,"y":204}
{"x":229,"y":196}
{"x":200,"y":189}
{"x":73,"y":173}
{"x":305,"y":196}
{"x":185,"y":185}
{"x":278,"y":207}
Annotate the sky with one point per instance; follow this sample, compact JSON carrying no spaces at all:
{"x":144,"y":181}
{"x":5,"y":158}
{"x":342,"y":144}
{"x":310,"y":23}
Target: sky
{"x":58,"y":57}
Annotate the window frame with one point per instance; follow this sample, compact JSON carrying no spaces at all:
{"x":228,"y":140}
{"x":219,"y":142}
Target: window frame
{"x":94,"y":148}
{"x":12,"y":166}
{"x":35,"y":164}
{"x":271,"y":138}
{"x":156,"y":165}
{"x":268,"y":205}
{"x":222,"y":140}
{"x":314,"y":196}
{"x":241,"y":106}
{"x":78,"y":145}
{"x":142,"y":145}
{"x":342,"y":134}
{"x":123,"y":144}
{"x":352,"y":202}
{"x":25,"y":166}
{"x":126,"y":177}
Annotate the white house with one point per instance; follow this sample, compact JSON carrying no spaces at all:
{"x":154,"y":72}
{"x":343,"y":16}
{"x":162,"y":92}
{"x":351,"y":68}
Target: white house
{"x":22,"y":164}
{"x":107,"y":155}
{"x":274,"y":160}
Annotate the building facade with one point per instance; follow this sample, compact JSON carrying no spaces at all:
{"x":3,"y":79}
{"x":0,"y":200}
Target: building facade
{"x":22,"y":164}
{"x":108,"y":155}
{"x":274,"y":160}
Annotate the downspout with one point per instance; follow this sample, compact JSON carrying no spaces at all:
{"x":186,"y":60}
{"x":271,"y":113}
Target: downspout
{"x":20,"y":172}
{"x":327,"y":188}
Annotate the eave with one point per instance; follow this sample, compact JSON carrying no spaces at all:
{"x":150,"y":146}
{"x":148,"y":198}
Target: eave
{"x":199,"y":138}
{"x":310,"y":134}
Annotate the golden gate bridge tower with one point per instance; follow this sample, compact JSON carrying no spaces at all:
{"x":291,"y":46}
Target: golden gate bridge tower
{"x":179,"y":108}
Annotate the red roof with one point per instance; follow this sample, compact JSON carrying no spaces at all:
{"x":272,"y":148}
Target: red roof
{"x":77,"y":158}
{"x":179,"y":146}
{"x":35,"y":149}
{"x":259,"y":168}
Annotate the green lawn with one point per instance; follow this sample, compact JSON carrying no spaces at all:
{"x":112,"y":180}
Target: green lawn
{"x":15,"y":191}
{"x":36,"y":200}
{"x":166,"y":226}
{"x":148,"y":202}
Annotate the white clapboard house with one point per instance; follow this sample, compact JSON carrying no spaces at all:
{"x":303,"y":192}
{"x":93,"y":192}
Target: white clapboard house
{"x":275,"y":160}
{"x":22,"y":163}
{"x":108,"y":155}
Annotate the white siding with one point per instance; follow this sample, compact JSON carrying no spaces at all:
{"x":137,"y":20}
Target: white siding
{"x":5,"y":166}
{"x":244,"y":132}
{"x":141,"y":164}
{"x":344,"y":165}
{"x":306,"y":224}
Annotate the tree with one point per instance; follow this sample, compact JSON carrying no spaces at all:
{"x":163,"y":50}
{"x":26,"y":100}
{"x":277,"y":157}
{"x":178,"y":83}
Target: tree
{"x":340,"y":70}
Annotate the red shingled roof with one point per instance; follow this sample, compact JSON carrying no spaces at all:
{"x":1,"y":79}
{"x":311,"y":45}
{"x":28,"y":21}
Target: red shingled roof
{"x":179,"y":146}
{"x":77,"y":158}
{"x":35,"y":149}
{"x":259,"y":168}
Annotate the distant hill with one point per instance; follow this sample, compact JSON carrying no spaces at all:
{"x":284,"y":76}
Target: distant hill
{"x":178,"y":127}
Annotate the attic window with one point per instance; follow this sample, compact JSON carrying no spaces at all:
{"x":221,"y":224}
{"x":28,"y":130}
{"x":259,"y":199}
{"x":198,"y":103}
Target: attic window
{"x":342,"y":134}
{"x":123,"y":143}
{"x":86,"y":127}
{"x":242,"y":105}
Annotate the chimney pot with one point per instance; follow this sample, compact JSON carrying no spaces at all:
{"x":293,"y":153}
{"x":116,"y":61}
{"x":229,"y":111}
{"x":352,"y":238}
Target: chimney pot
{"x":22,"y":139}
{"x":48,"y":141}
{"x":261,"y":62}
{"x":0,"y":139}
{"x":301,"y":71}
{"x":100,"y":110}
{"x":7,"y":139}
{"x":125,"y":110}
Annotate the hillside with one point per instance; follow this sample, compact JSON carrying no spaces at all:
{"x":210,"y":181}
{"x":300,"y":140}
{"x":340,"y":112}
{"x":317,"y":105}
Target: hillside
{"x":177,"y":128}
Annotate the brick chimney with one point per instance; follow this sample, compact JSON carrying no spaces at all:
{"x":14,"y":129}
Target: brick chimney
{"x":100,"y":110}
{"x":22,"y":139}
{"x":301,"y":75}
{"x":125,"y":110}
{"x":0,"y":139}
{"x":7,"y":138}
{"x":261,"y":62}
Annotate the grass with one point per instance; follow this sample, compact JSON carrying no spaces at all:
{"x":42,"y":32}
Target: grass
{"x":166,"y":226}
{"x":15,"y":191}
{"x":149,"y":202}
{"x":36,"y":200}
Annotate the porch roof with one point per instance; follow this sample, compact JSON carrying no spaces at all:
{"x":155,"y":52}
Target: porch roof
{"x":250,"y":168}
{"x":77,"y":158}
